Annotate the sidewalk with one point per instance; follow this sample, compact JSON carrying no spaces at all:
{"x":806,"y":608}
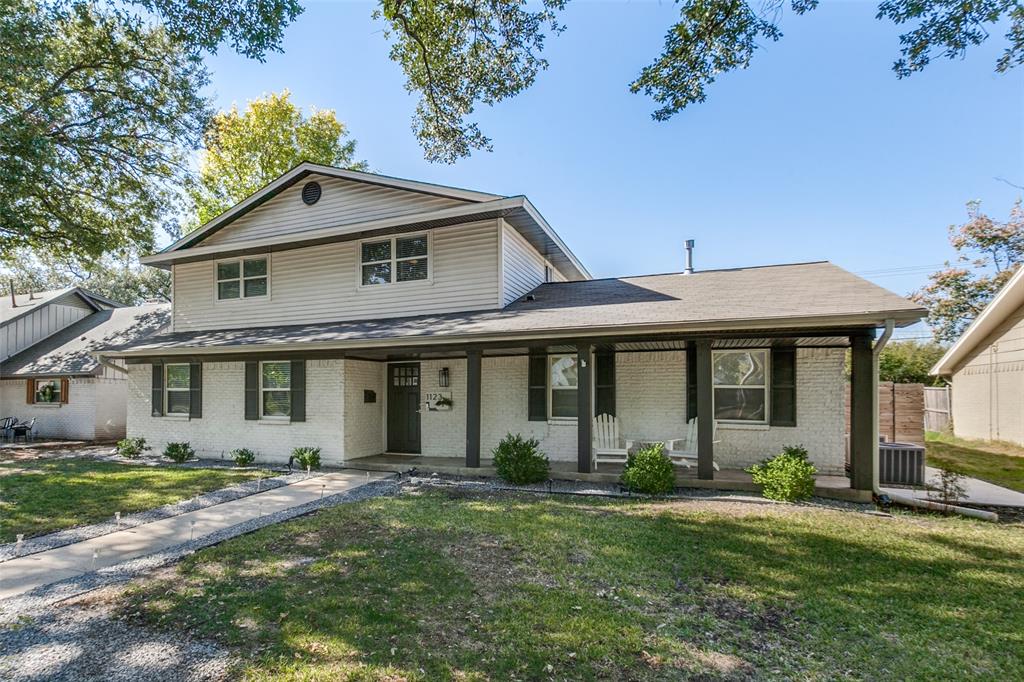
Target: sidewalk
{"x":25,"y":573}
{"x":979,"y":492}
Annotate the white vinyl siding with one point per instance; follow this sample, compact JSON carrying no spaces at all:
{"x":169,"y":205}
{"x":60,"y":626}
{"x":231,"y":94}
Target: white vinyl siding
{"x":523,"y":268}
{"x":35,"y":326}
{"x":342,"y":202}
{"x":320,"y":284}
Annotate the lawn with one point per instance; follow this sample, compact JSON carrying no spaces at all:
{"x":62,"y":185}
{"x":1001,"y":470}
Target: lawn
{"x":998,"y":463}
{"x":446,"y":585}
{"x":44,"y":495}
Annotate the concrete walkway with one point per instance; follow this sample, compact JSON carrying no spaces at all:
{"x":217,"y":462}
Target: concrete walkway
{"x":25,"y":573}
{"x":978,"y":492}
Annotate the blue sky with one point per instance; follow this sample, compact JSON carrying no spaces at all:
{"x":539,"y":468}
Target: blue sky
{"x":815,"y":152}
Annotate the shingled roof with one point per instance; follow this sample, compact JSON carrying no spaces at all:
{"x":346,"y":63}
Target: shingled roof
{"x":799,"y":296}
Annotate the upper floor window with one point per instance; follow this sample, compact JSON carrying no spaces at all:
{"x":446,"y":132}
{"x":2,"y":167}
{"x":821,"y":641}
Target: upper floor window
{"x":740,"y":379}
{"x":241,"y":278}
{"x":396,"y":259}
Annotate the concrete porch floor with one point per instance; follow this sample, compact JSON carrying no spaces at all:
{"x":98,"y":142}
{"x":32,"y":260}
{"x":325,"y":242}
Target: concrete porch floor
{"x":835,"y":487}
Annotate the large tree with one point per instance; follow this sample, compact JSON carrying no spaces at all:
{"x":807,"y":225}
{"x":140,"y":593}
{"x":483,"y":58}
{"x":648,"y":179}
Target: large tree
{"x":100,"y":105}
{"x":117,"y":276}
{"x":457,"y":54}
{"x":246,"y":150}
{"x":988,"y":253}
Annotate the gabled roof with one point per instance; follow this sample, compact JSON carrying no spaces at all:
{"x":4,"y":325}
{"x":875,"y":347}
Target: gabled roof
{"x":1009,"y":299}
{"x":26,"y":303}
{"x":516,"y":210}
{"x":801,"y":296}
{"x":70,"y":351}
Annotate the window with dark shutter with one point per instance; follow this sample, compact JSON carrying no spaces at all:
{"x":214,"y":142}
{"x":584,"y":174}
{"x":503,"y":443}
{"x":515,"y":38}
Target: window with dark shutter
{"x":298,"y":392}
{"x":538,"y":388}
{"x":195,"y":390}
{"x":604,"y":384}
{"x":783,"y":388}
{"x":252,"y":390}
{"x":691,"y":381}
{"x":158,"y":390}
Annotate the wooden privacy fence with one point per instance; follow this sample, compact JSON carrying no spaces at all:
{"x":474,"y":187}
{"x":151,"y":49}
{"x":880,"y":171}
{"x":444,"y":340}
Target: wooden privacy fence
{"x":936,"y":408}
{"x":900,"y":412}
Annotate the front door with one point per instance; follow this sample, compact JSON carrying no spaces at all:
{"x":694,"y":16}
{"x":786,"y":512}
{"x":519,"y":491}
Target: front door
{"x":404,"y":407}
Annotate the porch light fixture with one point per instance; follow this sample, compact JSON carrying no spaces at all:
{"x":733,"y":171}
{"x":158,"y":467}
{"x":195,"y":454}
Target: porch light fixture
{"x":443,"y":378}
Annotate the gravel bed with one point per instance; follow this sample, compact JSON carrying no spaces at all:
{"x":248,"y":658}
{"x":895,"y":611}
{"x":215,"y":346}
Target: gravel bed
{"x":69,"y":536}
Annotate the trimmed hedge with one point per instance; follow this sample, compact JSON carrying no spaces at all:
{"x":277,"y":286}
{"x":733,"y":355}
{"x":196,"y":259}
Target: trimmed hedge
{"x":519,"y":461}
{"x":650,"y":471}
{"x":787,"y":476}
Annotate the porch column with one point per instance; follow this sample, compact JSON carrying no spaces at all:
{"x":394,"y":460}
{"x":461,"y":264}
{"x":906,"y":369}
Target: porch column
{"x":705,"y":412}
{"x":473,"y":374}
{"x":584,"y":406}
{"x":862,"y":411}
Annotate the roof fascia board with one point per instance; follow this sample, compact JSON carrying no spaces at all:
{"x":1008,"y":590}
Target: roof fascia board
{"x":532,"y":211}
{"x":1009,"y":298}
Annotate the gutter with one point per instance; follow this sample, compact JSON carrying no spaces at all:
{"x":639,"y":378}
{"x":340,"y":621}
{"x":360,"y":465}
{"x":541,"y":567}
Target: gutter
{"x":907,"y":500}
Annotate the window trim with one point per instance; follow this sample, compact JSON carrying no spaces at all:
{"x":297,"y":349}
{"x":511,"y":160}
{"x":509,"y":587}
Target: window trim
{"x":35,"y":392}
{"x":552,"y":358}
{"x":766,"y":386}
{"x":394,"y":260}
{"x":240,"y":279}
{"x":187,"y":390}
{"x":277,"y":418}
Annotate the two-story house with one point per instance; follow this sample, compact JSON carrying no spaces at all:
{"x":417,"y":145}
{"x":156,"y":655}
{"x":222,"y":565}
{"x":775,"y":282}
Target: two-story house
{"x":379,"y":318}
{"x":48,"y":372}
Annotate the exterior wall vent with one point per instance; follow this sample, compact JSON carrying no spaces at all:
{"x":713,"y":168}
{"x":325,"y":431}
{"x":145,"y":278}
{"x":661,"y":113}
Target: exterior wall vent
{"x":311,"y":193}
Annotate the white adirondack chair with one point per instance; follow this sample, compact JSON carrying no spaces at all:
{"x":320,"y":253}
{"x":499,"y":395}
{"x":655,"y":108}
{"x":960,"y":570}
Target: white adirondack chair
{"x":687,"y":455}
{"x":607,"y":446}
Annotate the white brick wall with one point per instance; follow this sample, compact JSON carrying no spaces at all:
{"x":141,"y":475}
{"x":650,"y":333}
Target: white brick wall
{"x":650,"y":394}
{"x":443,"y":433}
{"x":223,"y":426}
{"x":111,"y":400}
{"x":364,"y":422}
{"x":75,"y":419}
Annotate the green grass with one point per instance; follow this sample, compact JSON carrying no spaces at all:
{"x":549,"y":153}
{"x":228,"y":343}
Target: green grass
{"x":41,"y":496}
{"x":441,"y":585}
{"x":998,"y":463}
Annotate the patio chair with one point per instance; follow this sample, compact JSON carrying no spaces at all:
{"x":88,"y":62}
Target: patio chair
{"x":7,"y":427}
{"x":607,"y":446}
{"x":687,"y":454}
{"x":25,"y":430}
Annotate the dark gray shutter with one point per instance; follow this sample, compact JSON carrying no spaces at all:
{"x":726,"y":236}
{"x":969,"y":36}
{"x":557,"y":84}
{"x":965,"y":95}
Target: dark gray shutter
{"x":252,"y":390}
{"x":298,"y":390}
{"x":195,"y":390}
{"x":604,"y":383}
{"x":691,"y":381}
{"x":538,"y":388}
{"x":783,"y":405}
{"x":158,"y":390}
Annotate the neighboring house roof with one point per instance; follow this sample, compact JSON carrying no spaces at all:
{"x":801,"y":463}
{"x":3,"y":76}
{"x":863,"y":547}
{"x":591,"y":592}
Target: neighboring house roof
{"x":70,"y":351}
{"x":26,"y":303}
{"x":796,"y":296}
{"x":1009,"y":299}
{"x":516,"y":210}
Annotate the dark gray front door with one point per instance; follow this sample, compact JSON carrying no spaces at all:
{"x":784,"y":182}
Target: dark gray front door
{"x":404,"y":408}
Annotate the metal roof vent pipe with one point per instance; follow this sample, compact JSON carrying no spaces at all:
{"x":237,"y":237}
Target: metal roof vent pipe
{"x":689,"y":258}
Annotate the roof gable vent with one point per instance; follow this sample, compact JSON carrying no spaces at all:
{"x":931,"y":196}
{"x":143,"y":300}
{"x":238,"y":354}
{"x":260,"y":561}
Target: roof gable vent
{"x":311,"y":193}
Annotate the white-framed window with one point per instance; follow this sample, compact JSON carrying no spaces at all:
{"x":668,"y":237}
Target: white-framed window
{"x":275,"y":389}
{"x":391,"y":260}
{"x":177,"y":382}
{"x":740,"y":380}
{"x":242,"y":278}
{"x":563,"y":379}
{"x":47,"y":391}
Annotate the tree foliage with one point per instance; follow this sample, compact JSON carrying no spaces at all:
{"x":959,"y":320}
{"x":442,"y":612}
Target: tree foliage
{"x":246,"y":150}
{"x":908,"y":362}
{"x":457,"y":54}
{"x":989,"y":252}
{"x":119,"y":278}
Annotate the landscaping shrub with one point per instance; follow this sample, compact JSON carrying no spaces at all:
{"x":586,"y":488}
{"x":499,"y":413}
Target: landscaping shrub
{"x":243,"y":457}
{"x":131,"y":448}
{"x":649,"y":470}
{"x":787,"y":476}
{"x":179,"y":452}
{"x":307,"y":458}
{"x":519,"y":461}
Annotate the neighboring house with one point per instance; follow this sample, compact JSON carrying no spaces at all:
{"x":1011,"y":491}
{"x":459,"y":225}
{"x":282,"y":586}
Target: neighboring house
{"x":364,"y":315}
{"x":48,"y":370}
{"x":986,"y":369}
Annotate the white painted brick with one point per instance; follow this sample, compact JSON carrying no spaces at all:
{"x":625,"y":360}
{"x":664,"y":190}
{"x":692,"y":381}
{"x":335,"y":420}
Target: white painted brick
{"x":95,"y":409}
{"x":364,"y":431}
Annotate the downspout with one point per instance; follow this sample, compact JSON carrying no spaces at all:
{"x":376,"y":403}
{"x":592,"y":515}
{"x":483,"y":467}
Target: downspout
{"x":905,"y":500}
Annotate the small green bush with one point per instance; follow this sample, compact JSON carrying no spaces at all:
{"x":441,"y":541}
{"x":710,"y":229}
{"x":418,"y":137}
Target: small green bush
{"x":307,"y":458}
{"x":787,"y":476}
{"x":519,"y":461}
{"x":179,"y":452}
{"x":649,"y":470}
{"x":132,"y":448}
{"x":243,"y":457}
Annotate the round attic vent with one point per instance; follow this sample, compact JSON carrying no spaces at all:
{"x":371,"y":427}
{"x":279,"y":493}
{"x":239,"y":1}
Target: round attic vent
{"x":311,"y":193}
